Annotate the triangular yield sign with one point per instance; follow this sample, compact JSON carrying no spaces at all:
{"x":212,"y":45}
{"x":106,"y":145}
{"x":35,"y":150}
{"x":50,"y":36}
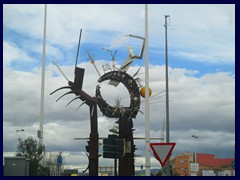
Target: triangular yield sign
{"x":162,"y":151}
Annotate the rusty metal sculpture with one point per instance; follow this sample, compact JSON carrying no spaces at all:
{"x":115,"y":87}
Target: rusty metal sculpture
{"x":125,"y":114}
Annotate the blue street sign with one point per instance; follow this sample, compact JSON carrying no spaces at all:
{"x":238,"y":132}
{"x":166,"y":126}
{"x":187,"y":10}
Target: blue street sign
{"x":59,"y":160}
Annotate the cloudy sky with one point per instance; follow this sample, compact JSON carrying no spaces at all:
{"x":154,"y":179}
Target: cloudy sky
{"x":201,"y":41}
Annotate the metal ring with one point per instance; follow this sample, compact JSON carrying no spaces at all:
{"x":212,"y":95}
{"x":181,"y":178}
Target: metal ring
{"x":133,"y":89}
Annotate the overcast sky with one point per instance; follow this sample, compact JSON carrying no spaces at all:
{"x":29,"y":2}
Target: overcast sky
{"x":201,"y":42}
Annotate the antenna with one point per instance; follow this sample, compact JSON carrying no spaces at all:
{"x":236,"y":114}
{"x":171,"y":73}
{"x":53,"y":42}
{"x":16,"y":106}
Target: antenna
{"x":78,"y":46}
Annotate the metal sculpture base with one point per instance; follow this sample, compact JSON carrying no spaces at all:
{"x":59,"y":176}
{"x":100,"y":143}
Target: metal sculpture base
{"x":126,"y":164}
{"x":93,"y":146}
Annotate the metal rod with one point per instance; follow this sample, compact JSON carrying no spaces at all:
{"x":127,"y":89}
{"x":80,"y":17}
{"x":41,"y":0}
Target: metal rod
{"x":60,"y":70}
{"x":147,"y":129}
{"x":43,"y":77}
{"x":167,"y":95}
{"x":78,"y":47}
{"x":92,"y":61}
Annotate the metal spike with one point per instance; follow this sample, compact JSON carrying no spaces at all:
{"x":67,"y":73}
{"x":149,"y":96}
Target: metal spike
{"x":81,"y":105}
{"x":65,"y":87}
{"x":114,"y":111}
{"x":73,"y":100}
{"x":70,"y":92}
{"x":60,"y":70}
{"x":88,"y":164}
{"x":136,"y":72}
{"x":140,"y":111}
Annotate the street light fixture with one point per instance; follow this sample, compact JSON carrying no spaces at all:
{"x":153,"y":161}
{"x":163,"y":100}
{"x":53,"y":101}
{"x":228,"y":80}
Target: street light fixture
{"x":19,"y":130}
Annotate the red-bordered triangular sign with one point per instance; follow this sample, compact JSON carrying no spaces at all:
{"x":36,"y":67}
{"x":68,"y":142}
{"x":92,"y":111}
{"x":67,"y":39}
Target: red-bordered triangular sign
{"x":162,"y":151}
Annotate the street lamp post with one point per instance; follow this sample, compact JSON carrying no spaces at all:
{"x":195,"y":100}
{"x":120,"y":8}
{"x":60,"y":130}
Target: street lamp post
{"x":18,"y":130}
{"x":195,"y":144}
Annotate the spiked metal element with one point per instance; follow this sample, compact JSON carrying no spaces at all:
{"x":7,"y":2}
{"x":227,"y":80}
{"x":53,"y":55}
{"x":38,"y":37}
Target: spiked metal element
{"x":136,"y":72}
{"x":60,"y":70}
{"x":87,"y":166}
{"x":65,"y":87}
{"x":70,"y":92}
{"x":140,"y":111}
{"x":81,"y":105}
{"x":73,"y":100}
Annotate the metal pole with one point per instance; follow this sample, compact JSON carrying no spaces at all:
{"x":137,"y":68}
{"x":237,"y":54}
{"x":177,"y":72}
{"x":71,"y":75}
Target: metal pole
{"x":167,"y":95}
{"x":115,"y":166}
{"x":195,"y":147}
{"x":195,"y":151}
{"x":43,"y":78}
{"x":147,"y":129}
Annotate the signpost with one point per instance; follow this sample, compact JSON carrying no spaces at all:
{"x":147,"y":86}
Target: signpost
{"x":194,"y":167}
{"x":59,"y":160}
{"x":59,"y":163}
{"x":113,"y":147}
{"x":162,"y":151}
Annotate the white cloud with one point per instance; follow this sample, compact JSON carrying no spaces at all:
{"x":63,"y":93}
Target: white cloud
{"x":204,"y":33}
{"x":13,"y":53}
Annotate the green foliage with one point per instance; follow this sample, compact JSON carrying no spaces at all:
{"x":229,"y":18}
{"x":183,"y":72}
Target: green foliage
{"x":35,"y":153}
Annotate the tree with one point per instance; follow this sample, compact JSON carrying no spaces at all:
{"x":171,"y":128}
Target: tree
{"x":30,"y":149}
{"x":51,"y":163}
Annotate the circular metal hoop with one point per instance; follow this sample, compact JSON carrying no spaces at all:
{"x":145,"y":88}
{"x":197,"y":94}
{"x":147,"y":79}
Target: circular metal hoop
{"x":133,"y":89}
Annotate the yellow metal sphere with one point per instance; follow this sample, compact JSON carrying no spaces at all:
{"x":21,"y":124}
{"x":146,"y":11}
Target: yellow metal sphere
{"x":143,"y":91}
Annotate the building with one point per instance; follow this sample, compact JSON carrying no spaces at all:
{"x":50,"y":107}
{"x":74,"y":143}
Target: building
{"x":16,"y":166}
{"x":106,"y":171}
{"x":208,"y":165}
{"x":218,"y":166}
{"x":181,"y":163}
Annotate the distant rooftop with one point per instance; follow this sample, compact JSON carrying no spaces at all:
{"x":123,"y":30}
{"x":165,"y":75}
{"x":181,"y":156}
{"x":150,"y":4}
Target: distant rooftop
{"x":210,"y":160}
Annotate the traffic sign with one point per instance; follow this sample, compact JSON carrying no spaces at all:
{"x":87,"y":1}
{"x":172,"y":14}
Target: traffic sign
{"x":162,"y":151}
{"x":59,"y":160}
{"x":113,"y":147}
{"x":194,"y":167}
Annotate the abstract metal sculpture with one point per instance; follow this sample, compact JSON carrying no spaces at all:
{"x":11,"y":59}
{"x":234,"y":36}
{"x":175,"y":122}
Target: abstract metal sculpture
{"x":125,"y":114}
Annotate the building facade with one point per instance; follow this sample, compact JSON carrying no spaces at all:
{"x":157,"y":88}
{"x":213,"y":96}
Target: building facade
{"x":208,"y":165}
{"x":180,"y":164}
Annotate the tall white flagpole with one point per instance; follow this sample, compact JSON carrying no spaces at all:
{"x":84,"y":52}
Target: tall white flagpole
{"x":40,"y":131}
{"x":147,"y":130}
{"x":167,"y":96}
